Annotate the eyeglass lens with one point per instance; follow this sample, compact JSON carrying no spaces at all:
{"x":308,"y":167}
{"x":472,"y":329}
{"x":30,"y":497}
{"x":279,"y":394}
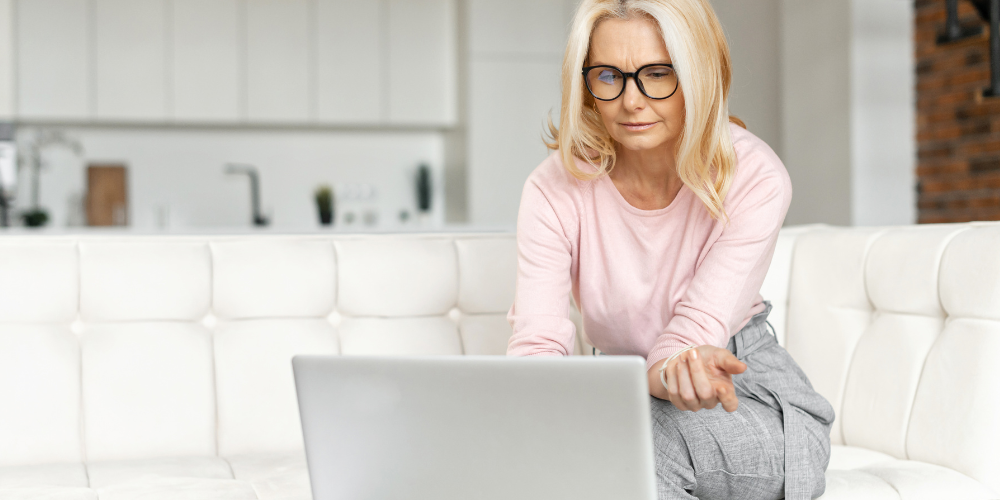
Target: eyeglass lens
{"x":657,"y":82}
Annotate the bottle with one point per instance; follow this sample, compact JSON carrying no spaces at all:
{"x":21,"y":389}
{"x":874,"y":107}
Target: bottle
{"x":424,"y":188}
{"x":8,"y":170}
{"x":325,"y":204}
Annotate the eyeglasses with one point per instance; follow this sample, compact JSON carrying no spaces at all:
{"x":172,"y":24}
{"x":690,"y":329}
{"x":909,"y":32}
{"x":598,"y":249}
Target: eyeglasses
{"x":606,"y":83}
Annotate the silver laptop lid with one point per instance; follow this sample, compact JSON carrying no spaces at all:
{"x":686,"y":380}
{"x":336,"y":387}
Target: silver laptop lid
{"x":460,"y":428}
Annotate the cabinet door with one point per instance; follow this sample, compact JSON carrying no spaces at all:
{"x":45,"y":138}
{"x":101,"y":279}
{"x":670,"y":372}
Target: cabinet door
{"x":422,"y":57}
{"x":349,"y":61}
{"x":205,"y":44}
{"x":278,"y":60}
{"x":130,"y":59}
{"x":6,"y":60}
{"x":53,"y":66}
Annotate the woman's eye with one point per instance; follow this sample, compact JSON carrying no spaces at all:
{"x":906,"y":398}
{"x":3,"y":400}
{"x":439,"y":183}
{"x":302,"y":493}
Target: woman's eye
{"x":658,"y":73}
{"x":607,"y":76}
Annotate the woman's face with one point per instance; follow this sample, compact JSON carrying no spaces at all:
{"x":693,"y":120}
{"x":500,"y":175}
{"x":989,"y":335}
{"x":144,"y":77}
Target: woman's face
{"x":634,"y":120}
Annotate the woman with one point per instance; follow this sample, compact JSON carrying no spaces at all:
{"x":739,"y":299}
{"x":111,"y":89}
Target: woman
{"x":661,"y":217}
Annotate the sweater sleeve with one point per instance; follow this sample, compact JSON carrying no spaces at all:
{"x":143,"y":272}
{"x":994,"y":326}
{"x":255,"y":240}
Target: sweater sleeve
{"x":539,"y":316}
{"x":729,"y":278}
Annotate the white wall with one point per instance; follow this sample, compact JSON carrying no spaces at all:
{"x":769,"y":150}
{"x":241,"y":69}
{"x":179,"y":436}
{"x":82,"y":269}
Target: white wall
{"x":883,"y":113}
{"x":849,"y":111}
{"x":816,"y":120}
{"x":182,"y":170}
{"x":515,"y":50}
{"x":753,"y":29}
{"x":6,"y":59}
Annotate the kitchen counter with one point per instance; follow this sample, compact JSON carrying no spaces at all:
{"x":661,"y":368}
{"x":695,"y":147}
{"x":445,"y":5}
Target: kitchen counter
{"x":247,"y":230}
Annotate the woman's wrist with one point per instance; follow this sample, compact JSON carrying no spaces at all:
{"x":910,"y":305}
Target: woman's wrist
{"x":663,"y":367}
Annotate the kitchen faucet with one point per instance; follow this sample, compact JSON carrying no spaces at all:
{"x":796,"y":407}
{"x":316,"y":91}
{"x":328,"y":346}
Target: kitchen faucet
{"x":251,"y":172}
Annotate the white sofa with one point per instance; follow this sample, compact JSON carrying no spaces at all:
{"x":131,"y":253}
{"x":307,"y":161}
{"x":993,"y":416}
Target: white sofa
{"x":158,"y":366}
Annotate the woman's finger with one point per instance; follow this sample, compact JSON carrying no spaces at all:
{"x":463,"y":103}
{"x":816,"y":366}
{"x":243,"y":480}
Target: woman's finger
{"x":727,"y":396}
{"x":730,"y":364}
{"x":685,"y":387}
{"x":699,"y":378}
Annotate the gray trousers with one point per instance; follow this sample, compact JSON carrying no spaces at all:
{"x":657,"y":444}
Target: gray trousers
{"x":775,"y":445}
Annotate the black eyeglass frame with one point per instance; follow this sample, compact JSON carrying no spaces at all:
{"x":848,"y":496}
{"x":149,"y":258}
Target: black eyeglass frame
{"x":634,"y":75}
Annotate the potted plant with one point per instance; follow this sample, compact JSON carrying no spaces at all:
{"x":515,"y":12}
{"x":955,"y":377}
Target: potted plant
{"x":324,"y":203}
{"x":36,"y":217}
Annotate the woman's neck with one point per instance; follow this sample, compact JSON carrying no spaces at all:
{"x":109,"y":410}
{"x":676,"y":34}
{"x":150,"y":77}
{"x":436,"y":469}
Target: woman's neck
{"x":648,"y":178}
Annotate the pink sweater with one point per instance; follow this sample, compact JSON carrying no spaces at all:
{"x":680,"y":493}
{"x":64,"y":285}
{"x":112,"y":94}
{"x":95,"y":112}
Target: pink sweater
{"x":648,"y":282}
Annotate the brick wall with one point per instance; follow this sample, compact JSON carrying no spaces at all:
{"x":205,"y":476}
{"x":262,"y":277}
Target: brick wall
{"x":958,"y":132}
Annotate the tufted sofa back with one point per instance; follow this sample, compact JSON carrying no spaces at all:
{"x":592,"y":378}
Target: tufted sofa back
{"x":899,"y":328}
{"x":121,"y":348}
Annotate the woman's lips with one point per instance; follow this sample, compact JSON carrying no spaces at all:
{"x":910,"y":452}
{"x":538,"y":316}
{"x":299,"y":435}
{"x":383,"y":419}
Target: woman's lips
{"x":638,"y":127}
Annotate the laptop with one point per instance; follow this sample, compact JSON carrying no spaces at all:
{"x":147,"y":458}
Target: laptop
{"x":476,"y":427}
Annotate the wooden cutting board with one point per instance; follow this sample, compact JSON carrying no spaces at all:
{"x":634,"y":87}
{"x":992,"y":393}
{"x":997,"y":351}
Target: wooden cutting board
{"x":107,"y":195}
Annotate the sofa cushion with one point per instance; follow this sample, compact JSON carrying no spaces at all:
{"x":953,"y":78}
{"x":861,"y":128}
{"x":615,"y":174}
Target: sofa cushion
{"x":40,"y":391}
{"x":176,"y":488}
{"x":274,"y":476}
{"x":902,"y":268}
{"x":145,"y":280}
{"x":922,"y":481}
{"x":883,"y":379}
{"x":399,"y":336}
{"x":71,"y":475}
{"x":485,"y":334}
{"x":856,"y":485}
{"x":856,"y":472}
{"x":487,"y":268}
{"x":148,"y":391}
{"x":396,"y":276}
{"x":954,"y":421}
{"x":273,"y":278}
{"x":775,"y":286}
{"x":970,"y":274}
{"x":854,"y":457}
{"x":40,"y":281}
{"x":257,"y":407}
{"x":828,"y":308}
{"x":47,"y":493}
{"x":128,"y":471}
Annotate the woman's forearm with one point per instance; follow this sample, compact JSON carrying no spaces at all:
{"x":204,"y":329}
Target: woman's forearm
{"x":656,"y":388}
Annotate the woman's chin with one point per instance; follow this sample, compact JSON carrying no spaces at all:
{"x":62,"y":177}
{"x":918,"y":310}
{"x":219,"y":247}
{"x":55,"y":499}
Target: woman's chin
{"x":636,"y":142}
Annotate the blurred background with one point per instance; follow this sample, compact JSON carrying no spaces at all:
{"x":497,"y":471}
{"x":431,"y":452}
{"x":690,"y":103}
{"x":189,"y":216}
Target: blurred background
{"x":208,"y":115}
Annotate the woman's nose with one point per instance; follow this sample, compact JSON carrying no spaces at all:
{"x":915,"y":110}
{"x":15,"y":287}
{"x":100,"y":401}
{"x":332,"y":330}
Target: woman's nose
{"x":633,"y":98}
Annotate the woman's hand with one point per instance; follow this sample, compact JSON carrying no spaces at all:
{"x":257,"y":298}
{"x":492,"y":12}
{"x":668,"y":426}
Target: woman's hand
{"x":699,"y":378}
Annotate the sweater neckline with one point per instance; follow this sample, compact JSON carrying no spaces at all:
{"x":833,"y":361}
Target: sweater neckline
{"x":617,"y":195}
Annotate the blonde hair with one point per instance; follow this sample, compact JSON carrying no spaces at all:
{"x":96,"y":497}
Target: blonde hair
{"x":699,"y":52}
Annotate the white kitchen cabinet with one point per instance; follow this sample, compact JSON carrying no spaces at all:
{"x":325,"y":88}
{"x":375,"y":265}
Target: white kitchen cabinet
{"x":6,"y":60}
{"x":53,"y":61}
{"x":279,"y":60}
{"x":344,"y":62}
{"x":422,"y":57}
{"x":350,"y":71}
{"x":130,"y":63}
{"x":205,"y":45}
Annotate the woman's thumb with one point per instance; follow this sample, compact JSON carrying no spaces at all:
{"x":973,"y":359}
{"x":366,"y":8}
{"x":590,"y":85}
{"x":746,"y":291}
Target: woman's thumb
{"x":732,"y":365}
